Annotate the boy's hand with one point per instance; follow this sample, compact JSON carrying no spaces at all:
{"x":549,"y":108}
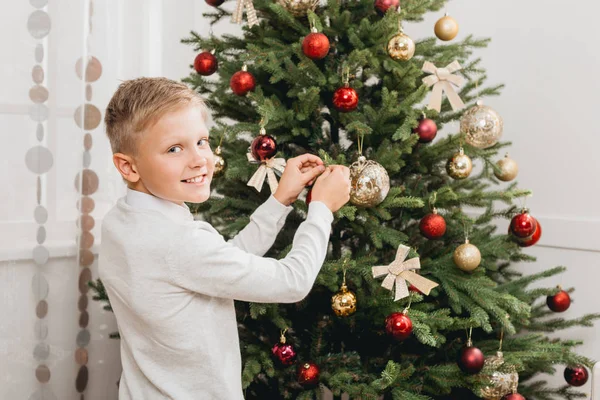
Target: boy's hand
{"x":333,"y":187}
{"x":299,"y":172}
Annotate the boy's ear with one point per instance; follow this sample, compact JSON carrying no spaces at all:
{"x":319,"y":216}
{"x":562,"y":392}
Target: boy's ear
{"x":126,"y":166}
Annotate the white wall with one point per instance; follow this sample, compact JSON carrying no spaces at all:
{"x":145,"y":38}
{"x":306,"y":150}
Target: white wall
{"x":546,"y":54}
{"x":542,"y":50}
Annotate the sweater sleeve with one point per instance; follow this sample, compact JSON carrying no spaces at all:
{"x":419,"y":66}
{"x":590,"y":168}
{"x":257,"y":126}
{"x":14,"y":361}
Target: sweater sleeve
{"x":265,"y":223}
{"x":202,"y":261}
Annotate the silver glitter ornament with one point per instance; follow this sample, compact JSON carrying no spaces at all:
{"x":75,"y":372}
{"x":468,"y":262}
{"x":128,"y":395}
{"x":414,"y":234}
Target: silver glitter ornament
{"x":299,"y":8}
{"x":503,"y":378}
{"x":482,"y":126}
{"x":369,"y":181}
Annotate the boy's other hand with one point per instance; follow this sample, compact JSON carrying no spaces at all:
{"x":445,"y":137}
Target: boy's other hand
{"x":299,"y":172}
{"x":333,"y":187}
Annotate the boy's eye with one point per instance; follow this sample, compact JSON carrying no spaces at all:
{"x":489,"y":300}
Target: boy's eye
{"x":199,"y":141}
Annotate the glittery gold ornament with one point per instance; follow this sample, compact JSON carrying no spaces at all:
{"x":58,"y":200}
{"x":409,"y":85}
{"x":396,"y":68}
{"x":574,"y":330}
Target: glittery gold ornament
{"x":482,"y":126}
{"x":446,"y":28}
{"x":369,"y":181}
{"x":503,"y":379}
{"x":459,"y":166}
{"x":401,"y":47}
{"x":219,"y":161}
{"x":299,"y":8}
{"x":467,"y":256}
{"x":508,"y":169}
{"x":343,"y":302}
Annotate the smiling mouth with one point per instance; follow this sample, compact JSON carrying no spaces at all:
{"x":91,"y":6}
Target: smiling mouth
{"x":198,"y":180}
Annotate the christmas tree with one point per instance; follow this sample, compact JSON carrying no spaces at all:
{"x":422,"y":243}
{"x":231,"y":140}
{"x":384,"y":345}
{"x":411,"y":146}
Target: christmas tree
{"x":344,"y":81}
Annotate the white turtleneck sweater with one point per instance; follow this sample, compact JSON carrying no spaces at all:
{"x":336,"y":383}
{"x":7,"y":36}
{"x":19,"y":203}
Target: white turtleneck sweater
{"x":172,"y":280}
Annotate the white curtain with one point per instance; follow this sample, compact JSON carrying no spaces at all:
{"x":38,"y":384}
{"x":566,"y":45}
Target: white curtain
{"x":60,"y":62}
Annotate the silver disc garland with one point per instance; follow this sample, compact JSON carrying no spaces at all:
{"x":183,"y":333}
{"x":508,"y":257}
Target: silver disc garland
{"x":87,"y":118}
{"x":39,"y":160}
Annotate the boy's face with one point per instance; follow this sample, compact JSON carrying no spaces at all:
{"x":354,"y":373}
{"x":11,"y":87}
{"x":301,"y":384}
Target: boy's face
{"x":173,"y":150}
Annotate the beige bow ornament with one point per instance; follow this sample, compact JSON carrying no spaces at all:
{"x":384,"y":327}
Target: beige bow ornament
{"x":237,"y":16}
{"x":442,"y":80}
{"x":266,"y":169}
{"x":400,"y":271}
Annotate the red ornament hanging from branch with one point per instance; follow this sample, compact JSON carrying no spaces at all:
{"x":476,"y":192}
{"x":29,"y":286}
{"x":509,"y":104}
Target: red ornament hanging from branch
{"x":242,"y":82}
{"x":206,"y":63}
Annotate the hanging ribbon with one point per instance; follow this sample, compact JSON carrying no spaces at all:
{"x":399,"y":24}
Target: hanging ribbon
{"x":441,"y":80}
{"x":266,"y":169}
{"x":237,"y":16}
{"x":400,"y":271}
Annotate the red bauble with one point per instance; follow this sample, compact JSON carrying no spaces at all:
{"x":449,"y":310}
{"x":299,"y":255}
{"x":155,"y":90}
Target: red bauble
{"x":308,"y":374}
{"x":523,"y":225}
{"x":470,"y":360}
{"x":414,"y":289}
{"x":345,"y":99}
{"x":309,"y":196}
{"x":427,"y":129}
{"x":242,"y":82}
{"x":398,"y":325}
{"x":513,"y":396}
{"x":530,"y":241}
{"x":206,"y":63}
{"x":263,"y":147}
{"x":315,"y":45}
{"x":576,"y":375}
{"x":284,"y":353}
{"x":559,"y":302}
{"x":433,"y":226}
{"x":214,"y":3}
{"x":383,"y":5}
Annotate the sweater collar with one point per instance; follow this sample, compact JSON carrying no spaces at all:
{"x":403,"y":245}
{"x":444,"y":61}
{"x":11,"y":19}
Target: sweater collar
{"x":143,"y":200}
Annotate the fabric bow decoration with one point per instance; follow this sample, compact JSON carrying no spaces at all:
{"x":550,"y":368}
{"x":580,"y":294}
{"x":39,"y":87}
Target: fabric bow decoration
{"x":400,"y":271}
{"x":442,"y":80}
{"x":237,"y":16}
{"x":266,"y":169}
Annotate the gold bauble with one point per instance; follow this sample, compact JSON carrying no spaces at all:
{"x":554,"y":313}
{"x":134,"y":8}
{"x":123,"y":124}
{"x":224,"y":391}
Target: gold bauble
{"x":446,"y":28}
{"x":482,"y":126}
{"x":219,"y":161}
{"x":343,"y":303}
{"x":459,"y":166}
{"x":467,"y":256}
{"x":508,"y":169}
{"x":401,"y":47}
{"x":369,"y":181}
{"x":503,"y":378}
{"x":298,"y":8}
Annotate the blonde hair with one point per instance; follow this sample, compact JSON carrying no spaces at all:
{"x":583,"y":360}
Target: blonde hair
{"x":140,"y":103}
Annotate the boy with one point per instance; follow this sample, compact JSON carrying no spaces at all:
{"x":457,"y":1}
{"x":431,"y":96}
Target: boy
{"x":172,"y":280}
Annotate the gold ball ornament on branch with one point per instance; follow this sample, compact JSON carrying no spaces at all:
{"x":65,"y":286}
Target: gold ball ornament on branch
{"x":446,"y":28}
{"x":401,"y":47}
{"x":508,"y":169}
{"x":482,"y":126}
{"x":459,"y":166}
{"x":219,"y":161}
{"x":343,"y":303}
{"x":467,"y":256}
